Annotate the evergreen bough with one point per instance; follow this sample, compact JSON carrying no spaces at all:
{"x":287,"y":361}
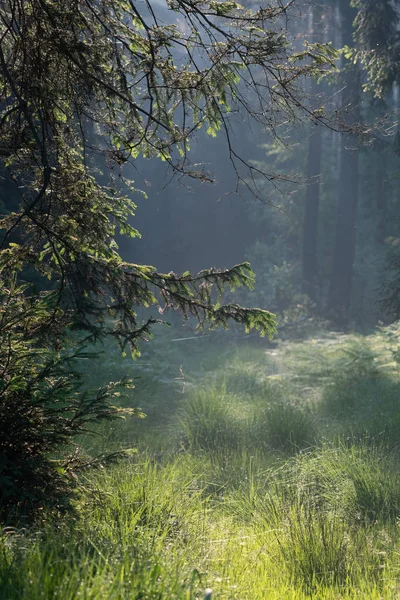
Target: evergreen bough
{"x":89,"y":86}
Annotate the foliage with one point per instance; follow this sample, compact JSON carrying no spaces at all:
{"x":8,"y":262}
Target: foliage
{"x":378,"y":48}
{"x":90,"y":86}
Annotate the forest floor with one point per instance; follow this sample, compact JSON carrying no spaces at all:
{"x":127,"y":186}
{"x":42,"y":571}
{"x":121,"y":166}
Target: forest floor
{"x":260,"y":472}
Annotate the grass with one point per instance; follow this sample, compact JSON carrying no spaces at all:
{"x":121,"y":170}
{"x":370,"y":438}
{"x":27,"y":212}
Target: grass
{"x":258,"y":473}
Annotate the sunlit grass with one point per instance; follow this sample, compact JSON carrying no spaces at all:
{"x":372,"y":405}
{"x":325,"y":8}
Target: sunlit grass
{"x":154,"y":531}
{"x":258,"y":473}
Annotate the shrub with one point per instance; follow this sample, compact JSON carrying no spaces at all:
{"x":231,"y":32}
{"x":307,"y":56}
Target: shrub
{"x":43,"y":408}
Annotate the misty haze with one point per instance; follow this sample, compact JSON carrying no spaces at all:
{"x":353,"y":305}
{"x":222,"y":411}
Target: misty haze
{"x":199,"y":299}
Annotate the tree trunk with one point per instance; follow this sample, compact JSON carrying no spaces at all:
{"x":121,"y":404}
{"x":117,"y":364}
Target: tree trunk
{"x":381,"y":196}
{"x":311,"y":210}
{"x":345,"y":239}
{"x":310,"y":225}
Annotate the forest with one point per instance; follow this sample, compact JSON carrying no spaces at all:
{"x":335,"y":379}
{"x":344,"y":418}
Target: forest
{"x":199,"y":299}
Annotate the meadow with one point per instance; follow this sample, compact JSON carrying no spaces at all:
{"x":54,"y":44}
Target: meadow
{"x":261,"y":471}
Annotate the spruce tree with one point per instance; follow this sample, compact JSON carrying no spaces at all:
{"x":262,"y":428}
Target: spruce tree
{"x":88,"y":86}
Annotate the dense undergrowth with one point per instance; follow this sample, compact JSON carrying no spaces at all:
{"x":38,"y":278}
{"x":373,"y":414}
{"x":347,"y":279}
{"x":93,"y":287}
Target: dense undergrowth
{"x":259,"y":472}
